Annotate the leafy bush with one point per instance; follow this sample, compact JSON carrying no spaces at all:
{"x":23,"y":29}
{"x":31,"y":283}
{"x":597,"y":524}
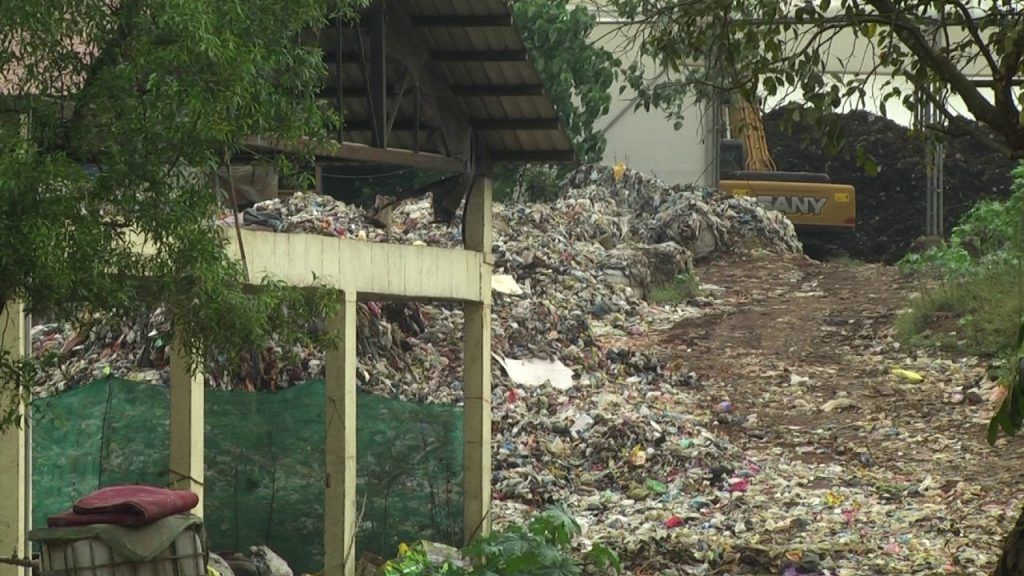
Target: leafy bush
{"x":976,"y":313}
{"x":977,"y":303}
{"x":519,"y":183}
{"x":577,"y":73}
{"x":989,"y":235}
{"x":544,"y":546}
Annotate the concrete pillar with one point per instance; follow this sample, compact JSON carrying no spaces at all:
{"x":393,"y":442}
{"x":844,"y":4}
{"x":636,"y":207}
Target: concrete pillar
{"x":477,"y":379}
{"x":14,"y":480}
{"x":340,"y":446}
{"x":188,"y":434}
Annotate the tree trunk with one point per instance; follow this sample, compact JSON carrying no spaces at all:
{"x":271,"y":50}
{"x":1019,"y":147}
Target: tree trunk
{"x":1011,"y":562}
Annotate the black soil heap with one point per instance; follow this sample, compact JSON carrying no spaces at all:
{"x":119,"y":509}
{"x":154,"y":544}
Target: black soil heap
{"x":890,"y":205}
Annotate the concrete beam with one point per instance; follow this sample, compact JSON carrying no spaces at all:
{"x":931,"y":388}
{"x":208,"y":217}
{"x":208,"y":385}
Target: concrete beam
{"x":373,"y":270}
{"x":14,"y":484}
{"x":188,"y":436}
{"x":340,"y":447}
{"x":477,"y":357}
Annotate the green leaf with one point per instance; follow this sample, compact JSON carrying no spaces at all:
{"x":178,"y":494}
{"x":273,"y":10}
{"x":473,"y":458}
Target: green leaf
{"x":555,"y":525}
{"x":870,"y":166}
{"x":603,"y":557}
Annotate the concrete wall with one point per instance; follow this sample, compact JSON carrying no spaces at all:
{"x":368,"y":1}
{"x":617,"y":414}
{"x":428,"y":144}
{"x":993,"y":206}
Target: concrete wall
{"x":648,"y":141}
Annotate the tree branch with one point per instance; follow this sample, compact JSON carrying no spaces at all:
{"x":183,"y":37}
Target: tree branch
{"x":972,"y":29}
{"x":964,"y":125}
{"x":914,"y":38}
{"x":1009,"y":66}
{"x":23,"y":562}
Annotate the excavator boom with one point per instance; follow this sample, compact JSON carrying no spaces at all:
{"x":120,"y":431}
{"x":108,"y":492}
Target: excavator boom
{"x":810,"y":200}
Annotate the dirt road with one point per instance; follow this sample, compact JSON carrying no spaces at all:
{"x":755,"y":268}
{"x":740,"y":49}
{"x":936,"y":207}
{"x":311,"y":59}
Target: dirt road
{"x":796,"y":369}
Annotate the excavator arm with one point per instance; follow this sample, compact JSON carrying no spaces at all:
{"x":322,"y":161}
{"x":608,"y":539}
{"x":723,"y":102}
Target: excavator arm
{"x":745,"y":122}
{"x":811,"y":201}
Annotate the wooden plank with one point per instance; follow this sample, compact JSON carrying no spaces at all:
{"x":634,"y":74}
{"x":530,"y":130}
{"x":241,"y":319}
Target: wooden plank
{"x":378,"y":271}
{"x":14,"y":505}
{"x":479,"y":211}
{"x":534,"y":156}
{"x":477,"y":356}
{"x":340,"y":448}
{"x":351,"y":152}
{"x":188,"y":437}
{"x":463,"y":21}
{"x":314,"y":255}
{"x":481,"y":56}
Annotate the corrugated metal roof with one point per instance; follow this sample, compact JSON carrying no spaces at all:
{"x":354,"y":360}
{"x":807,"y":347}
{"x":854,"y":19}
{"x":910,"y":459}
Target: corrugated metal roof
{"x":470,"y":46}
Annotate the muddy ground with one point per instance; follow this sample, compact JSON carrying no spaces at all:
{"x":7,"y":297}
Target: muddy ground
{"x":803,"y":352}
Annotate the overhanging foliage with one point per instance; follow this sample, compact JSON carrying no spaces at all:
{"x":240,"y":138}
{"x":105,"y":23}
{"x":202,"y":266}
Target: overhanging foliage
{"x":920,"y":51}
{"x":115,"y":116}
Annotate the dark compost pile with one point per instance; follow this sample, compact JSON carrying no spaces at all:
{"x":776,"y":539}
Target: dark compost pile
{"x":890,"y":205}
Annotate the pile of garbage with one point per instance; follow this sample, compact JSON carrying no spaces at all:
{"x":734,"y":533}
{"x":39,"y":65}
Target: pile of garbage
{"x":565,"y":273}
{"x":704,"y":220}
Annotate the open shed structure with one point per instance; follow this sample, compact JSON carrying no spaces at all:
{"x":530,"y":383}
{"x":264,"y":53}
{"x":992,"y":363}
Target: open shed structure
{"x":443,"y":85}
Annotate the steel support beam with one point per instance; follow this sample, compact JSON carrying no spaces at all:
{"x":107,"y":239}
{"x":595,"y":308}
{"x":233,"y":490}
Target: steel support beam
{"x":481,"y":56}
{"x":462,"y":21}
{"x":534,"y":156}
{"x":339,"y":73}
{"x":377,"y":76}
{"x":524,"y":125}
{"x":928,"y":119}
{"x":350,"y":152}
{"x":461,"y":90}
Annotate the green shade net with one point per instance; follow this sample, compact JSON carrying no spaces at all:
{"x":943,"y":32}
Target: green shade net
{"x":264,"y":463}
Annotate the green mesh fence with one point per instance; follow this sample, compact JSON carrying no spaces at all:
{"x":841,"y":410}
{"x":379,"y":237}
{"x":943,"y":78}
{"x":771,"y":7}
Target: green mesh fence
{"x":264,"y":463}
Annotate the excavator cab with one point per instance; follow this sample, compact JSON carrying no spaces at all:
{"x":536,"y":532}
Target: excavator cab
{"x":810,"y":200}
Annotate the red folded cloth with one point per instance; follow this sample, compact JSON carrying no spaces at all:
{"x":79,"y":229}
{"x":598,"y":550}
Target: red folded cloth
{"x":125,"y":506}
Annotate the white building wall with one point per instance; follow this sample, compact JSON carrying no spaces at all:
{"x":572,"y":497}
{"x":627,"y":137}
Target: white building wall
{"x":646,"y":140}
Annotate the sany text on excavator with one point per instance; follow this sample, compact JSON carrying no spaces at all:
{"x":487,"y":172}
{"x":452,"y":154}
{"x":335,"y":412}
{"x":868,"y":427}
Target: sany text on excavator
{"x":810,"y":200}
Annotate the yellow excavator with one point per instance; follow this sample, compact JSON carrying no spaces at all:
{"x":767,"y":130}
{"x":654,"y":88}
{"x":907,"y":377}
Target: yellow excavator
{"x":810,"y":200}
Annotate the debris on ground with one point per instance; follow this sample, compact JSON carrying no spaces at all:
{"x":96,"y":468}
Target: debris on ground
{"x":268,"y":562}
{"x":757,"y":428}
